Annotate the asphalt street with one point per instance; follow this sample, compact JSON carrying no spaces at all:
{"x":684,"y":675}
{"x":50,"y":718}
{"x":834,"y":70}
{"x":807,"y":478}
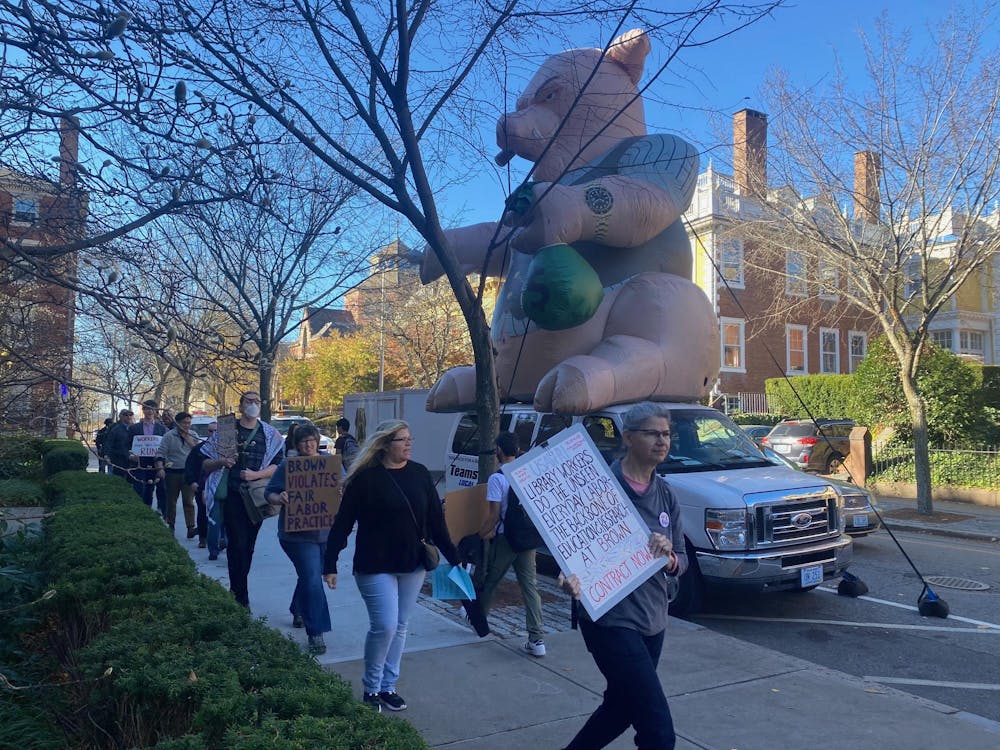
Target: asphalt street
{"x":881,"y":637}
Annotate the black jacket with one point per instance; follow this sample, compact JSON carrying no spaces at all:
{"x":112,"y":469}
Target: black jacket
{"x":388,"y":540}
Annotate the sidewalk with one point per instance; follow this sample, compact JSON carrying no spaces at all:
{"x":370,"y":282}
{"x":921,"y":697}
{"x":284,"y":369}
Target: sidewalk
{"x":964,"y":520}
{"x":470,"y":694}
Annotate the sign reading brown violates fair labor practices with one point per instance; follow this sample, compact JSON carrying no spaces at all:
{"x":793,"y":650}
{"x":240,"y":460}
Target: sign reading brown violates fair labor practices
{"x":313,"y":487}
{"x":588,"y":523}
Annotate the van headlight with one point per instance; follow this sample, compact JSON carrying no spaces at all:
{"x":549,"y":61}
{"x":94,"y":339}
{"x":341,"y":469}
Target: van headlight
{"x":726,"y":528}
{"x":854,"y":498}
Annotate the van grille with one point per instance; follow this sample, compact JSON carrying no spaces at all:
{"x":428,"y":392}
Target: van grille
{"x":796,"y":518}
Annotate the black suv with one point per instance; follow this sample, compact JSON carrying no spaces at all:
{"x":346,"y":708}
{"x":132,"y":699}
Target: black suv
{"x":800,"y":441}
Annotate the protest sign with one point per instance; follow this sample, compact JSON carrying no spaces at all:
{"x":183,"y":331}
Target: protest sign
{"x":226,"y":435}
{"x":465,"y":511}
{"x":313,"y":487}
{"x":588,"y":523}
{"x":144,"y":446}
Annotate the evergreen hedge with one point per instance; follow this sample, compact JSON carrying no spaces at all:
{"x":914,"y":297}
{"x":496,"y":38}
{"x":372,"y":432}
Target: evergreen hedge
{"x":823,"y":395}
{"x":20,"y":456}
{"x":65,"y":458}
{"x":21,"y":492}
{"x":149,"y":653}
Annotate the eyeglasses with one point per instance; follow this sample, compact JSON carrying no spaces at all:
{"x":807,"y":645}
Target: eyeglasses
{"x":665,"y":434}
{"x":402,"y":440}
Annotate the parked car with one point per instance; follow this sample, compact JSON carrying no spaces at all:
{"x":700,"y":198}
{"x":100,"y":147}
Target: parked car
{"x":200,"y":423}
{"x":283,"y":424}
{"x":859,"y":504}
{"x":802,"y":442}
{"x":757,"y":432}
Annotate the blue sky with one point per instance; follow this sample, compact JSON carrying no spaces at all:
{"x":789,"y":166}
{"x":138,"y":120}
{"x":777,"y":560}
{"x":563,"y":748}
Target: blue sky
{"x":705,"y":86}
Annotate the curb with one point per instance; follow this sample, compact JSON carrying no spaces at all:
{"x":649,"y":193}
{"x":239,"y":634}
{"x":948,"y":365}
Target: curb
{"x":978,"y":536}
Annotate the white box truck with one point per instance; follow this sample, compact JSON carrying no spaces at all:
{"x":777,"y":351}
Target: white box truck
{"x":429,"y":430}
{"x":747,"y":521}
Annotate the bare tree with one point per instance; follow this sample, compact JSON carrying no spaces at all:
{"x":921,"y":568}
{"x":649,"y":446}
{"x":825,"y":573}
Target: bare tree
{"x":890,"y":188}
{"x":384,"y":94}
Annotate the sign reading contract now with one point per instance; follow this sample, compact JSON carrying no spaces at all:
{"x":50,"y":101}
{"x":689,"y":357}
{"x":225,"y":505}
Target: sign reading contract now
{"x":588,"y":523}
{"x":313,"y":487}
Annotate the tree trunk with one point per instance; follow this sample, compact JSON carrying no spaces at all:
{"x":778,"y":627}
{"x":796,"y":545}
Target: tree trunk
{"x":266,"y":368}
{"x":921,"y":451}
{"x":188,"y":385}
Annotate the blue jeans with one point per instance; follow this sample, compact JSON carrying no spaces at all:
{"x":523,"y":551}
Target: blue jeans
{"x":634,"y":696}
{"x":309,"y":599}
{"x":390,"y":598}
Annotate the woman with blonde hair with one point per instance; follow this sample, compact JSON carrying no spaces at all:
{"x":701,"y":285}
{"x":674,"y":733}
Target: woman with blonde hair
{"x":396,"y":508}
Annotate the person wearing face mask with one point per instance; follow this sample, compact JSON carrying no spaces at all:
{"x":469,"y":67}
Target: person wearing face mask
{"x":260,"y":448}
{"x":170,"y":459}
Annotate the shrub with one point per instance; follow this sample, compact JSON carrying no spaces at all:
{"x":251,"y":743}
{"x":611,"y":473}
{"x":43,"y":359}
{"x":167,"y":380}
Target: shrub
{"x":808,"y":396}
{"x":20,"y":456}
{"x":155,"y":655}
{"x":948,"y":385}
{"x":65,"y":459}
{"x":52,"y":444}
{"x":22,"y":492}
{"x":744,"y":418}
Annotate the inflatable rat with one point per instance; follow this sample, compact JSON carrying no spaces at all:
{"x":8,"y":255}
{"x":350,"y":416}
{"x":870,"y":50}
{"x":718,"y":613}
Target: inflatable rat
{"x":614,"y":317}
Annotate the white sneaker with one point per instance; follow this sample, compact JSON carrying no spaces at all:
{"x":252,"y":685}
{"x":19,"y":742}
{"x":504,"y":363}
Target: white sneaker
{"x":534,"y":648}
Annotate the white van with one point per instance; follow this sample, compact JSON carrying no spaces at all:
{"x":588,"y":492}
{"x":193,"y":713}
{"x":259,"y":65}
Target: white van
{"x":747,"y":521}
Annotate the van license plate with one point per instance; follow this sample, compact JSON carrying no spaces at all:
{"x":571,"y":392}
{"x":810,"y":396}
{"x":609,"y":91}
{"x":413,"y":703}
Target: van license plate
{"x":783,"y":448}
{"x":811,"y":576}
{"x":860,"y":520}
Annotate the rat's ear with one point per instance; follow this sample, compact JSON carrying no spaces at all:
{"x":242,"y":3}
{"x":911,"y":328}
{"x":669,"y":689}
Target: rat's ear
{"x":630,"y":51}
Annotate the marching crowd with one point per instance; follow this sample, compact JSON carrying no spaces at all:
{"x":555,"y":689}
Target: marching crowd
{"x":392,"y":505}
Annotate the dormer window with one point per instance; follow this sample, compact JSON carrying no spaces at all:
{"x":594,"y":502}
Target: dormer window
{"x":26,"y":209}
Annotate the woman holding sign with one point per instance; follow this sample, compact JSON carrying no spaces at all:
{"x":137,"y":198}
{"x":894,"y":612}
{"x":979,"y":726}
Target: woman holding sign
{"x":396,"y":508}
{"x":306,"y":549}
{"x":627,"y":640}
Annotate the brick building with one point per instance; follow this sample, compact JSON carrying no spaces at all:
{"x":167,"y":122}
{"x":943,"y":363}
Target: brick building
{"x":320,"y":323}
{"x":772,"y":320}
{"x":36,"y":313}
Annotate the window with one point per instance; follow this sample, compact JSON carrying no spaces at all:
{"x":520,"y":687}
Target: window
{"x":971,"y":343}
{"x":829,"y":281}
{"x":796,"y":357}
{"x":550,"y":425}
{"x":943,"y":339}
{"x":733,"y":345}
{"x":829,"y":350}
{"x":912,"y":287}
{"x":730,"y":260}
{"x":795,"y":274}
{"x":732,"y":403}
{"x":858,"y":348}
{"x":25,"y":209}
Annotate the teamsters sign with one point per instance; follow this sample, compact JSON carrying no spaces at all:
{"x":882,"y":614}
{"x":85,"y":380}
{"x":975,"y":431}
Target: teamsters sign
{"x":588,"y":523}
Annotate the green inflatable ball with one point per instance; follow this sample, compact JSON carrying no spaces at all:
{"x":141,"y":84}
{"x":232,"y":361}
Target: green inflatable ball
{"x":562,"y":290}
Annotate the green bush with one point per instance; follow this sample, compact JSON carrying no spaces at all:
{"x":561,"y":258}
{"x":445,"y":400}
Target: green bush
{"x":740,"y":417}
{"x":155,"y":655}
{"x":808,"y":396}
{"x":52,"y":444}
{"x":21,"y":492}
{"x":948,"y":385}
{"x":20,"y":456}
{"x":953,"y":468}
{"x":65,"y":459}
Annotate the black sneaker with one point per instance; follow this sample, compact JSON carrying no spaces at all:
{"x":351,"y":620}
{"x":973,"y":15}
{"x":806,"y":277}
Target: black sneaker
{"x":298,"y":622}
{"x":371,"y":699}
{"x":317,"y":646}
{"x":392,"y":700}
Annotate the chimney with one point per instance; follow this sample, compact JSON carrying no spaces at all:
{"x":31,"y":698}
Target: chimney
{"x":750,"y":152}
{"x":867,"y":200}
{"x":69,"y":150}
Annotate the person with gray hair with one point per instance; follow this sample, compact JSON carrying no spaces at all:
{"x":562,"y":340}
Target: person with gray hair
{"x":396,"y":508}
{"x":627,"y":640}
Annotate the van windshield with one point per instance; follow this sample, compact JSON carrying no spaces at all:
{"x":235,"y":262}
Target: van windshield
{"x":708,"y":441}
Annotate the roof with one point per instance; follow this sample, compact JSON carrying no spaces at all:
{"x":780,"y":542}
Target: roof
{"x":319,"y":320}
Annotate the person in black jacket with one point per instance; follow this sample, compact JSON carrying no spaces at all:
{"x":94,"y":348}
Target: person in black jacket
{"x":395,"y":506}
{"x":117,"y":445}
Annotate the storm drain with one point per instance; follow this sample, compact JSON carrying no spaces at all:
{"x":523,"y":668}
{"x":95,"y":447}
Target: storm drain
{"x":951,"y":582}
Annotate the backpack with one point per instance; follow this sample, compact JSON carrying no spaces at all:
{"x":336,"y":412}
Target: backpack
{"x":517,"y":526}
